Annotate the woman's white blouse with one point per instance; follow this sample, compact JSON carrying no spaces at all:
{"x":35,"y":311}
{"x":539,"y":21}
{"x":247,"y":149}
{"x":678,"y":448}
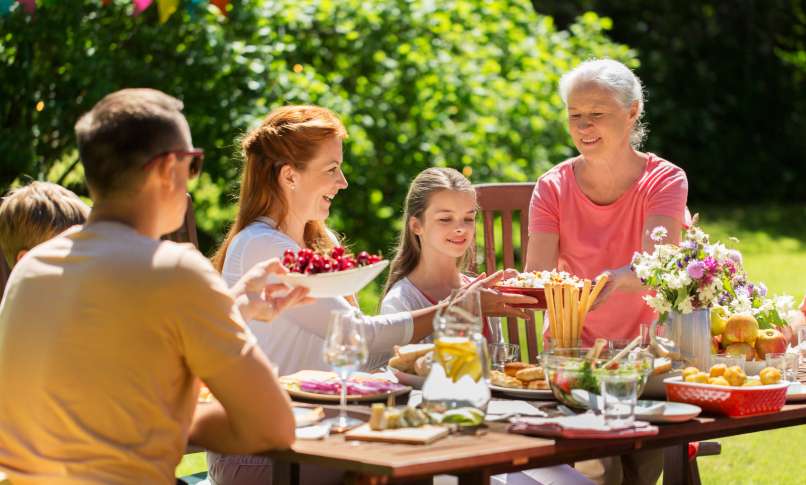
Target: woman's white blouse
{"x":293,"y":340}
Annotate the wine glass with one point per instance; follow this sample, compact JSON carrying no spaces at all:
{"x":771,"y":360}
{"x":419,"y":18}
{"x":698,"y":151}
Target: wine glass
{"x":345,"y":350}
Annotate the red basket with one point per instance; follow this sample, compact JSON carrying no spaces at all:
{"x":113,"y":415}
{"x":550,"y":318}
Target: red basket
{"x":537,"y":293}
{"x":732,"y":401}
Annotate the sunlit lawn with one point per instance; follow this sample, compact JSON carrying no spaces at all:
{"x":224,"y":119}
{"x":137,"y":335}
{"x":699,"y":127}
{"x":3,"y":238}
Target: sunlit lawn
{"x":773,"y":242}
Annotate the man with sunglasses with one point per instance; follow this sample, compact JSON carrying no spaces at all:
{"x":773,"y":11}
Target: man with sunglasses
{"x":105,"y":330}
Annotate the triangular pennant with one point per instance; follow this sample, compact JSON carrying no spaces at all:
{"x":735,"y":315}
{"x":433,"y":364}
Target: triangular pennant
{"x":221,"y":4}
{"x":28,"y":5}
{"x":5,"y":7}
{"x":166,"y":8}
{"x":141,"y":5}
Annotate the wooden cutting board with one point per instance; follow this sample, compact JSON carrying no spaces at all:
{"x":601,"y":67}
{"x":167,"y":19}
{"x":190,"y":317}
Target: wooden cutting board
{"x":413,"y":436}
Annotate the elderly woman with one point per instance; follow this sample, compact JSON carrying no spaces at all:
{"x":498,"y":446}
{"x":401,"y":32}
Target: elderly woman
{"x":590,"y":213}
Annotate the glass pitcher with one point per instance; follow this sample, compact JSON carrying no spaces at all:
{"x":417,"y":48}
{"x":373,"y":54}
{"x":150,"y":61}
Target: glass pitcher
{"x":460,"y":371}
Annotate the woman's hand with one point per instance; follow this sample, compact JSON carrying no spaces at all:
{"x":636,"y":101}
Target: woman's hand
{"x":617,"y":279}
{"x":258,"y":300}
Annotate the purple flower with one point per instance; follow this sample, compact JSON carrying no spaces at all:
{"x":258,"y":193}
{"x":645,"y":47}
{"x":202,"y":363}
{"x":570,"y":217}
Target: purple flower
{"x":762,"y":289}
{"x":688,"y":244}
{"x":735,"y":256}
{"x":711,"y":264}
{"x":696,"y":269}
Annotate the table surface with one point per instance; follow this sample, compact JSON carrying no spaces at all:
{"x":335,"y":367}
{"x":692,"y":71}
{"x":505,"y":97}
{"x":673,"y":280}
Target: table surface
{"x":497,"y":451}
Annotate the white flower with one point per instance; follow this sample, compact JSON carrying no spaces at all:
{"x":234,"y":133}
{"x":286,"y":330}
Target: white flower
{"x":741,"y":304}
{"x":706,"y":294}
{"x":658,"y":303}
{"x":784,"y":304}
{"x":685,"y":306}
{"x":658,"y":234}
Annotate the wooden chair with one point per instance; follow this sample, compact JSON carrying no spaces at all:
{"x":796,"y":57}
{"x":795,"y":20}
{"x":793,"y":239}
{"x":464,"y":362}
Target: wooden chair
{"x":186,"y":233}
{"x":510,"y":203}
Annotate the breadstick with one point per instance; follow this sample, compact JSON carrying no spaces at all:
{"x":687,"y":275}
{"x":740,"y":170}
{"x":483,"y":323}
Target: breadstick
{"x":574,"y":315}
{"x":583,"y":303}
{"x":566,"y":315}
{"x":558,"y":307}
{"x":600,"y":284}
{"x":552,"y":311}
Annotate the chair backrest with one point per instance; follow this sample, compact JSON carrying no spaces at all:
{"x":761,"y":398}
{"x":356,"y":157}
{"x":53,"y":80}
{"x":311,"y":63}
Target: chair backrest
{"x":510,"y":203}
{"x":186,"y":233}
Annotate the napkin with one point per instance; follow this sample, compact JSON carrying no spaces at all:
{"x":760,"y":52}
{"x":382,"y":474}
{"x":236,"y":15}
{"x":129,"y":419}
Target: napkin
{"x":315,"y":432}
{"x":587,"y":425}
{"x":497,"y":410}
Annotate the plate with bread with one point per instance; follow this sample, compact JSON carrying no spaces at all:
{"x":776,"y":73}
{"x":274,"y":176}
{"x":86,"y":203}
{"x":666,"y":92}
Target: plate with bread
{"x":412,"y":363}
{"x":519,"y":379}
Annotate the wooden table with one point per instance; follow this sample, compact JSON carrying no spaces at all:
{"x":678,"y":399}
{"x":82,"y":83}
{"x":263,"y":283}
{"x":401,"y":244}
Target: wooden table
{"x":475,"y":458}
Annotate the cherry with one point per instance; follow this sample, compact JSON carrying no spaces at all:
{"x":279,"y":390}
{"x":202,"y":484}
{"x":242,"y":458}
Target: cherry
{"x":363,"y":258}
{"x":337,"y":252}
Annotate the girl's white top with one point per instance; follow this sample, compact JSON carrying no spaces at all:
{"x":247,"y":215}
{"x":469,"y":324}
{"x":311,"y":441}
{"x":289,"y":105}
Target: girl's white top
{"x":293,"y":340}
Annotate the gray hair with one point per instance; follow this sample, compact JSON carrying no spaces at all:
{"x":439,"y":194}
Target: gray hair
{"x":616,"y":77}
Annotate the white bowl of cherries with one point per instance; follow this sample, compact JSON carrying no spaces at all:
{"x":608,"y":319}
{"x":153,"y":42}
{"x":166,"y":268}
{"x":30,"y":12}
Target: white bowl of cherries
{"x":332,"y":274}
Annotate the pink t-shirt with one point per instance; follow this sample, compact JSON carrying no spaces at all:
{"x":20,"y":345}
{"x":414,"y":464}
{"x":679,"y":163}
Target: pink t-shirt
{"x":594,"y":237}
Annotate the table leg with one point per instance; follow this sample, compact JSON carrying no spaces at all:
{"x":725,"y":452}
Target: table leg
{"x":676,"y":465}
{"x":284,"y":473}
{"x":476,"y":477}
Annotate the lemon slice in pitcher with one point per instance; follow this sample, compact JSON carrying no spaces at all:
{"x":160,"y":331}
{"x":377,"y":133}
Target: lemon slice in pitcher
{"x":458,"y":357}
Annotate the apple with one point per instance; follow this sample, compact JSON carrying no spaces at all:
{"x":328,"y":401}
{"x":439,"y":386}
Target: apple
{"x":741,"y":349}
{"x":740,"y":328}
{"x":770,"y":341}
{"x":718,"y":320}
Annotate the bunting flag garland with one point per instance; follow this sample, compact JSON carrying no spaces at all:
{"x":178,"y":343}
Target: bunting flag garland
{"x":5,"y":7}
{"x":221,"y":4}
{"x":29,"y":6}
{"x":166,"y":9}
{"x":141,"y":5}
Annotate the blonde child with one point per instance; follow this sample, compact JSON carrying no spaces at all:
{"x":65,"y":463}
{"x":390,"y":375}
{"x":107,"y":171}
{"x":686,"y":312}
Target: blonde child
{"x":34,"y":213}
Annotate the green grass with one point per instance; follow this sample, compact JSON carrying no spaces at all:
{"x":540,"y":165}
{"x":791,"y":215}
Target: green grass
{"x":773,"y":242}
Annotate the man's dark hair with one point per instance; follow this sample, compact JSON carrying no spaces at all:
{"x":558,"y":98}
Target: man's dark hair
{"x":122,"y":132}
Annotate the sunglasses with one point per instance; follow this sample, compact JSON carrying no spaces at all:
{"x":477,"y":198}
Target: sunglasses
{"x":196,"y":161}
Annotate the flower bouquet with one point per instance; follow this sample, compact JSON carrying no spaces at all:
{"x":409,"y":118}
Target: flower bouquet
{"x":689,"y":276}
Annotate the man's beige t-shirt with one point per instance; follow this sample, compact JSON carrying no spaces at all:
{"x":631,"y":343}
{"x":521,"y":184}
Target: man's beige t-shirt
{"x":102,"y":331}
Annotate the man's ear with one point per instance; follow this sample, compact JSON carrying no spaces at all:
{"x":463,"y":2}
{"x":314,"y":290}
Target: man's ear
{"x":20,"y":254}
{"x":165,"y":169}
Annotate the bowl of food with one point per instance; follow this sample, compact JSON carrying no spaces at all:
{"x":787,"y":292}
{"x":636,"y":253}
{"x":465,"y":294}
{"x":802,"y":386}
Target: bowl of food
{"x":534,"y":284}
{"x":573,"y":373}
{"x":332,"y":274}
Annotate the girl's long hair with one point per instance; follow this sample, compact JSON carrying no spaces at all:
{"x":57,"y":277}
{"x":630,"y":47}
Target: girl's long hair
{"x":427,"y":183}
{"x":290,"y":135}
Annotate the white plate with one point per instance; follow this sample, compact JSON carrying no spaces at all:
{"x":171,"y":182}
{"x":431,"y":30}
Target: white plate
{"x":673,"y":412}
{"x":541,"y":394}
{"x":407,"y":379}
{"x":313,"y":396}
{"x":796,"y":392}
{"x":338,"y":283}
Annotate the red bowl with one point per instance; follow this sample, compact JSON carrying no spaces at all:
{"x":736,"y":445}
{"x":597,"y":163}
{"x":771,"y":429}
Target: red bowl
{"x":537,"y":293}
{"x":731,"y":401}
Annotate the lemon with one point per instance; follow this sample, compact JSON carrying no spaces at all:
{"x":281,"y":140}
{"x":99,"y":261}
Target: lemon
{"x":458,"y":357}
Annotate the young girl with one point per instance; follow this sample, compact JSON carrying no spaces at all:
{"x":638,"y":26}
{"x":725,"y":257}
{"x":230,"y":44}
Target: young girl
{"x":439,"y":221}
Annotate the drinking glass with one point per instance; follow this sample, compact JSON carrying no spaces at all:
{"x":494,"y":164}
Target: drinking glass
{"x":345,"y":350}
{"x":728,"y":360}
{"x":619,"y":397}
{"x":500,"y":354}
{"x":787,"y":363}
{"x":802,"y":343}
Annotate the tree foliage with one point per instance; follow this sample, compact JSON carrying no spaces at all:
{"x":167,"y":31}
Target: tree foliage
{"x":726,"y":89}
{"x":460,"y":83}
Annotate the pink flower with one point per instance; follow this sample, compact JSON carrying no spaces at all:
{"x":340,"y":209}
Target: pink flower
{"x":696,"y":269}
{"x":711,"y":265}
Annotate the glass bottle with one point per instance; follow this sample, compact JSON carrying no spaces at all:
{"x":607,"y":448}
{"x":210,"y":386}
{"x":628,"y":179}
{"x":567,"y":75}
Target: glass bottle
{"x":460,"y":373}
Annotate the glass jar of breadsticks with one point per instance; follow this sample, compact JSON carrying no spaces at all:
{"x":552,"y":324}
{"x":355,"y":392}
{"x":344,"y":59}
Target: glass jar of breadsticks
{"x":567,"y":304}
